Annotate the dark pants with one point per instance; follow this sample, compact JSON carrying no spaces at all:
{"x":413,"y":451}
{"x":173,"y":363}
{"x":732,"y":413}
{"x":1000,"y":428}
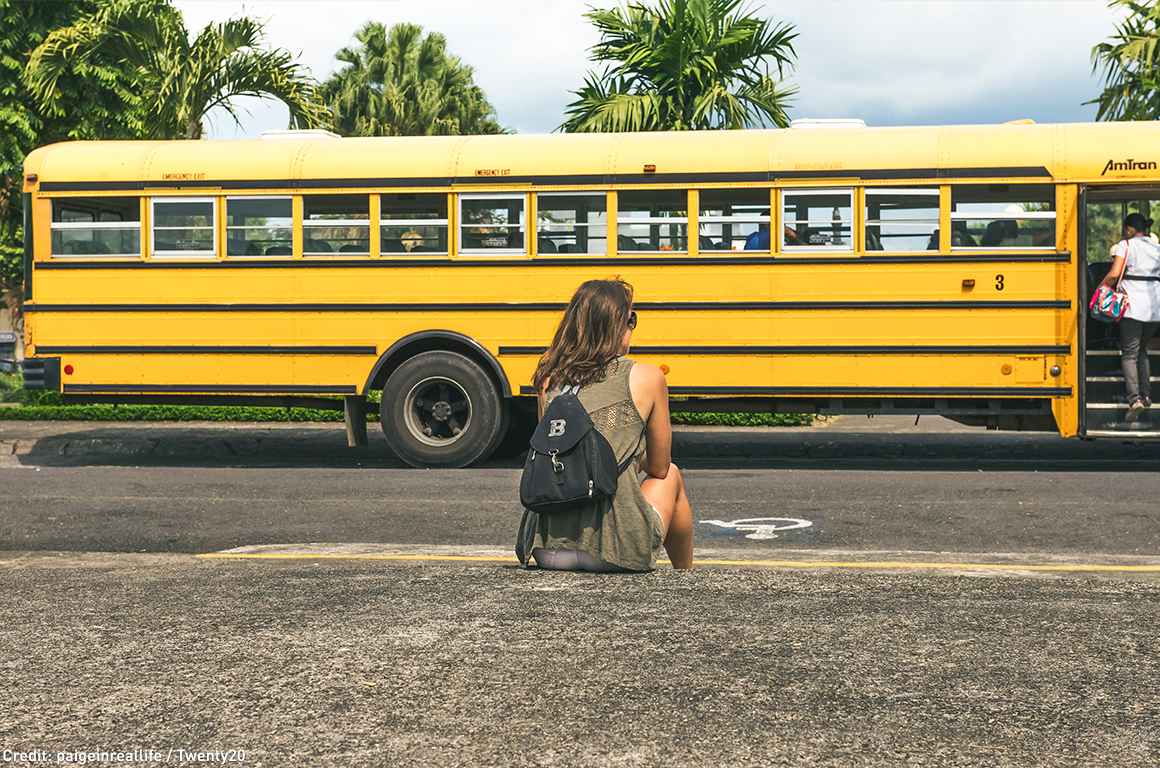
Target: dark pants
{"x":1134,"y":338}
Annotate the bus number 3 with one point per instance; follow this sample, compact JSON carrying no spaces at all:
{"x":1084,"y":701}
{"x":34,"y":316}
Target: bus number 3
{"x":998,"y":282}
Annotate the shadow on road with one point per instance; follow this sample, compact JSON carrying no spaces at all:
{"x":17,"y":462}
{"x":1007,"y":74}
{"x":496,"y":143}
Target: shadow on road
{"x":817,"y":449}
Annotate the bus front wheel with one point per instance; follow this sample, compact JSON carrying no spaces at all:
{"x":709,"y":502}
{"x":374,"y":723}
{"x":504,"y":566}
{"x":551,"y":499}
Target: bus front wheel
{"x":440,"y":409}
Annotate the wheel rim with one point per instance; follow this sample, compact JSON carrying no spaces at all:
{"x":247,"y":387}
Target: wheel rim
{"x":437,"y":411}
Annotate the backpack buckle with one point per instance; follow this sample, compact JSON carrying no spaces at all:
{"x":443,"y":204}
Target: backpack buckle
{"x":557,"y":465}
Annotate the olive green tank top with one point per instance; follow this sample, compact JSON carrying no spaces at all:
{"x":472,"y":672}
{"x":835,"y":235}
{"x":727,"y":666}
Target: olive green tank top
{"x":623,"y":530}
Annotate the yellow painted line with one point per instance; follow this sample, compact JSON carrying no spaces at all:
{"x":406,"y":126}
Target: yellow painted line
{"x":927,"y":566}
{"x":900,"y":565}
{"x":355,"y":556}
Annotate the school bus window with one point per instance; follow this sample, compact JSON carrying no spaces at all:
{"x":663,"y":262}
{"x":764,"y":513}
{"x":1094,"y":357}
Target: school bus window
{"x":413,"y":223}
{"x":96,"y":226}
{"x":652,"y":220}
{"x":492,"y":224}
{"x":734,"y":220}
{"x":572,"y":223}
{"x":818,"y":220}
{"x":336,"y":224}
{"x":902,"y":220}
{"x":184,"y":227}
{"x":259,"y":226}
{"x":1003,"y":216}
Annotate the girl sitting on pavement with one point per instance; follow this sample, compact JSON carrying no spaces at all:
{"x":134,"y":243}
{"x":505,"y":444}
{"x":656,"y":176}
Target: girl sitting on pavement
{"x":650,"y":506}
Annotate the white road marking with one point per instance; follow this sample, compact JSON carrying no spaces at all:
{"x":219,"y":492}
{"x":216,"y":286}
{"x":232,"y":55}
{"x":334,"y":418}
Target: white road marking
{"x":762,"y":527}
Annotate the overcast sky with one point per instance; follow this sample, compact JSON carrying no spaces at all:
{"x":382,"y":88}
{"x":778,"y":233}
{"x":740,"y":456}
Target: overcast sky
{"x":889,"y":62}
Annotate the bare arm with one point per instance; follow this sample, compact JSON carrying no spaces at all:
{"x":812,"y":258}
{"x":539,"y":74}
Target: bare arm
{"x":650,"y":393}
{"x":1115,"y":272}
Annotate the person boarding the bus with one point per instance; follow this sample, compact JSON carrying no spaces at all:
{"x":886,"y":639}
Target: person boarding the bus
{"x":629,"y":406}
{"x":1137,"y":259}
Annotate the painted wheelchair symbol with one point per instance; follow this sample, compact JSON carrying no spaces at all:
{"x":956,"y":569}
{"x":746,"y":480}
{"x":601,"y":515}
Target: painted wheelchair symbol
{"x":762,"y":527}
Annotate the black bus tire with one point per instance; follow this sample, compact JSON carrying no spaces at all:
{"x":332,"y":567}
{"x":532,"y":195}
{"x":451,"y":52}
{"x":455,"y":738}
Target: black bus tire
{"x":423,"y":415}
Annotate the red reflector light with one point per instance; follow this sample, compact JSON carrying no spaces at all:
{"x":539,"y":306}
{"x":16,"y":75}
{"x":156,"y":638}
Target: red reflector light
{"x":68,"y":369}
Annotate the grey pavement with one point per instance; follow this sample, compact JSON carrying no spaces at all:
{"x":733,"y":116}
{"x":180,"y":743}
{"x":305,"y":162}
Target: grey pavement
{"x":376,"y":664}
{"x":434,"y":649}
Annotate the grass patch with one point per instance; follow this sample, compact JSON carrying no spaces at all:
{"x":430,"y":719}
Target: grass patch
{"x":744,"y":419}
{"x":108,"y":412}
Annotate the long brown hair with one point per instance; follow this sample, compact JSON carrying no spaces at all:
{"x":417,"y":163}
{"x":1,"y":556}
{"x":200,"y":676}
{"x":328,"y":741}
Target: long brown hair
{"x":588,"y":337}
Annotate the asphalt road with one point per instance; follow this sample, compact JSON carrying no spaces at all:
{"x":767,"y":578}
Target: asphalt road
{"x":119,"y":629}
{"x":199,"y":489}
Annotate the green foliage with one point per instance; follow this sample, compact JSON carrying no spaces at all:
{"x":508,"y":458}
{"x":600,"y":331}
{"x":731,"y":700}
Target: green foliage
{"x":402,"y":83}
{"x":92,"y":105}
{"x":11,"y":258}
{"x":176,"y":81}
{"x":1129,"y":64}
{"x":98,"y":104}
{"x":9,"y":385}
{"x":743,"y":419}
{"x":1105,"y":225}
{"x":684,"y":65}
{"x":107,"y":412}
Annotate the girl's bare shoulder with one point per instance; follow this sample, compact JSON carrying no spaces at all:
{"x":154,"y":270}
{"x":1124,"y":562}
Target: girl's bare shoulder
{"x":646,"y":377}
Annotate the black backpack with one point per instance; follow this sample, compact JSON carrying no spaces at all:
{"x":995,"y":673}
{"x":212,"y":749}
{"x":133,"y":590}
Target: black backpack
{"x":569,"y":462}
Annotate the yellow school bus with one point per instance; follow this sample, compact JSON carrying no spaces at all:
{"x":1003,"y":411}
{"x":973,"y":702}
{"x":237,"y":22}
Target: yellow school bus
{"x":824,"y":268}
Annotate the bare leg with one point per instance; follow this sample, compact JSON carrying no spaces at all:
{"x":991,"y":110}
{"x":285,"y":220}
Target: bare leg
{"x":668,"y":497}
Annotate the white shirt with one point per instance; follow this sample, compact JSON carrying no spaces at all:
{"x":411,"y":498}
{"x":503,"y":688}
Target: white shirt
{"x":1142,"y":257}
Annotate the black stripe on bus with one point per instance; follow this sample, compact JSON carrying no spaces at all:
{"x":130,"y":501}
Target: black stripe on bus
{"x":864,"y":391}
{"x":343,"y":307}
{"x":202,"y":350}
{"x":317,"y":389}
{"x":554,"y":180}
{"x":676,"y":306}
{"x":596,"y":261}
{"x":823,"y":350}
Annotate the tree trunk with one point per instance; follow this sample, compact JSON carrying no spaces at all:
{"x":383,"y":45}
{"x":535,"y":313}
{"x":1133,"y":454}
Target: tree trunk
{"x":193,"y":130}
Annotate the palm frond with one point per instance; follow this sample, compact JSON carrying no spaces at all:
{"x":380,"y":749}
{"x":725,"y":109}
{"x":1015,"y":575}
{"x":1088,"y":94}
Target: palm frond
{"x":684,"y":65}
{"x":404,"y":82}
{"x":1129,"y":64}
{"x":120,"y":31}
{"x":178,"y":81}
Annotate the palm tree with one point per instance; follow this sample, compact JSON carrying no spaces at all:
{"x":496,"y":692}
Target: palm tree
{"x":400,"y":83}
{"x":178,"y":81}
{"x":1130,"y":62}
{"x":684,"y":65}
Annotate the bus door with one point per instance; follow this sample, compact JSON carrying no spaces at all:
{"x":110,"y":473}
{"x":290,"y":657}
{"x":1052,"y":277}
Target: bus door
{"x":1103,"y":403}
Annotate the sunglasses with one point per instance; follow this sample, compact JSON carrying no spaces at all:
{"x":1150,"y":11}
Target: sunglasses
{"x":632,"y":320}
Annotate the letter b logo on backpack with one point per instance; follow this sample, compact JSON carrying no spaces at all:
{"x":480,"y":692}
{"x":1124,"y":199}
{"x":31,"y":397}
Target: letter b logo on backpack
{"x":569,"y":463}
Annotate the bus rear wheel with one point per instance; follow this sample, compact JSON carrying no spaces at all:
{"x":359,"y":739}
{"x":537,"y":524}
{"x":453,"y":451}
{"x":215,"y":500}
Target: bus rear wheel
{"x":440,"y":409}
